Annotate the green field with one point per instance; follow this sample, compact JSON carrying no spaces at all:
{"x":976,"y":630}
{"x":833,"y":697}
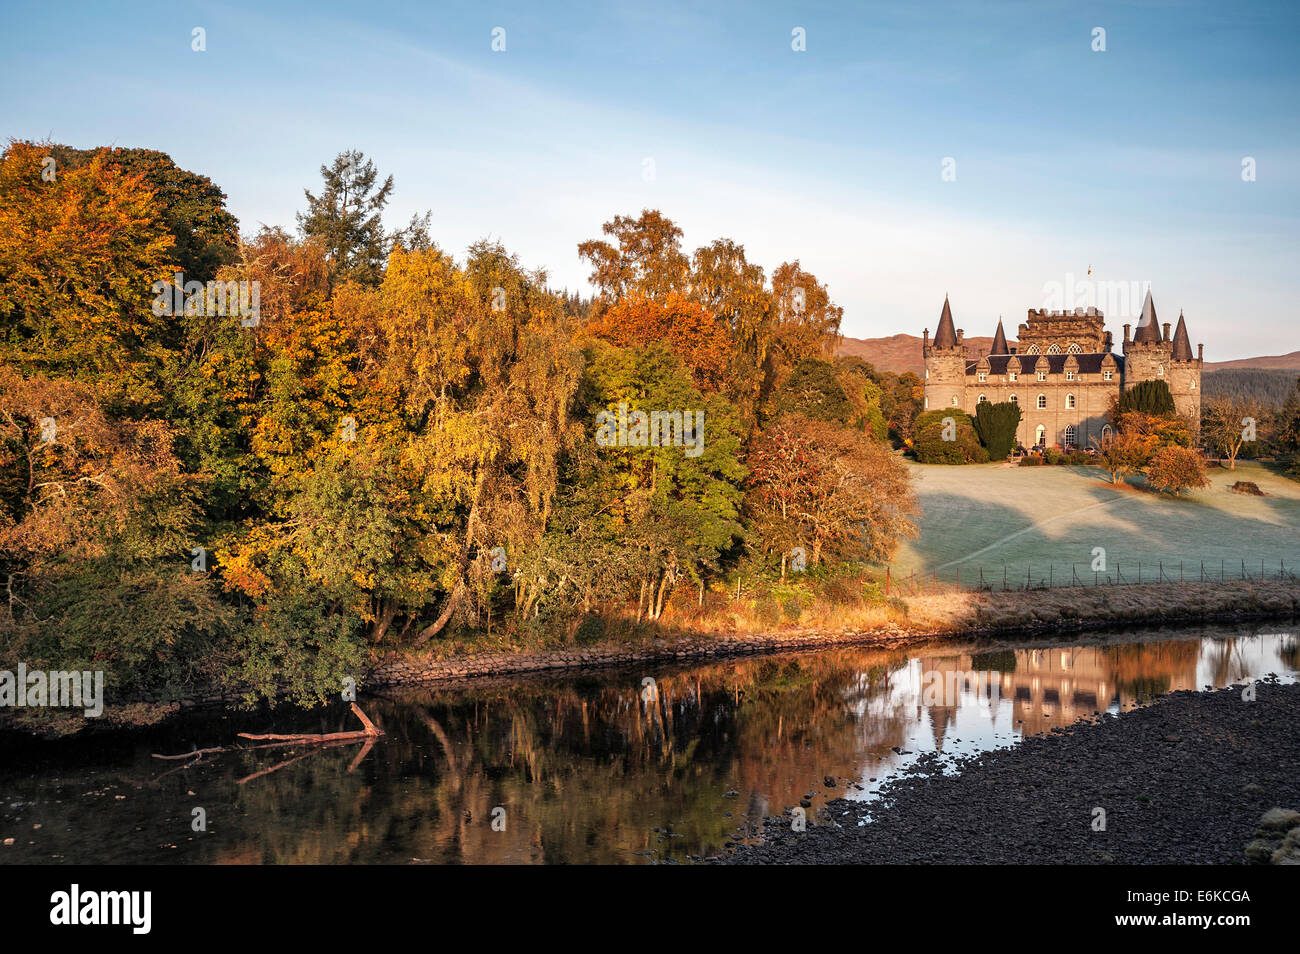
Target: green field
{"x":1043,"y":520}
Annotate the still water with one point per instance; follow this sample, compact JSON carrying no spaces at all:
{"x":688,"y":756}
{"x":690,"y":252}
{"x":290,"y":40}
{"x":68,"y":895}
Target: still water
{"x":588,"y":768}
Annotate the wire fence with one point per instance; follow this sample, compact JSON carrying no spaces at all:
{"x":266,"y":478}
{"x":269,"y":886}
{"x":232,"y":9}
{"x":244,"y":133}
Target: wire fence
{"x":1035,"y":576}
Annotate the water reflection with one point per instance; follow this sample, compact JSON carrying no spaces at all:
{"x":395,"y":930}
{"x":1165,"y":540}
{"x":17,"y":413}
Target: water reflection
{"x":592,"y":768}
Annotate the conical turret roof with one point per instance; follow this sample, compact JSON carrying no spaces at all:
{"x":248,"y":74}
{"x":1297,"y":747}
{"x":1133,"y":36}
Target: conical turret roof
{"x":945,"y":336}
{"x":1182,"y":343}
{"x":999,"y":341}
{"x":1148,"y":329}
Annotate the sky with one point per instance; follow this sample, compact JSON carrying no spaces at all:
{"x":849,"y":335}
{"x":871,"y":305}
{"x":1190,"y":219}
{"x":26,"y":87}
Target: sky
{"x":914,"y":149}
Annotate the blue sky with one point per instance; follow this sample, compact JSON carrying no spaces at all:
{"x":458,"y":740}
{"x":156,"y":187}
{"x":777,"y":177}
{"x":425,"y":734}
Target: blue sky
{"x":1128,"y":160}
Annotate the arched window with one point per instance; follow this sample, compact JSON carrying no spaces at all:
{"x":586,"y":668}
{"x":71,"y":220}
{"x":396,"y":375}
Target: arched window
{"x":1160,"y":371}
{"x":954,"y":400}
{"x":1032,"y":349}
{"x":1106,"y":435}
{"x":1040,"y":435}
{"x":1054,"y":349}
{"x":1069,"y":435}
{"x":1014,"y":399}
{"x":1069,"y":401}
{"x":983,"y":398}
{"x":1074,"y":349}
{"x":1042,"y":402}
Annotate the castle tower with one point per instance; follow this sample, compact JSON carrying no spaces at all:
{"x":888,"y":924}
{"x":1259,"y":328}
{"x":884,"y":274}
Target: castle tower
{"x":945,"y":364}
{"x":1152,"y":356}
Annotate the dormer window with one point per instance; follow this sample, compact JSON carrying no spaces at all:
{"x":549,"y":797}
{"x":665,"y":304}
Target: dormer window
{"x":982,"y":376}
{"x":1011,"y":376}
{"x":1069,"y":375}
{"x":1107,"y":375}
{"x":1042,"y":375}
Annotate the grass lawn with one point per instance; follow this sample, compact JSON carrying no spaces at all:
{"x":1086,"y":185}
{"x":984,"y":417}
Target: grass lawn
{"x":1035,"y":517}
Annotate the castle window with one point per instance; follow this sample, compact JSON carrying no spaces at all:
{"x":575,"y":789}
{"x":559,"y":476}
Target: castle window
{"x":1032,"y":349}
{"x":1014,"y":399}
{"x":1042,"y":375}
{"x":1054,"y":349}
{"x":1074,"y":349}
{"x":1040,"y":436}
{"x":983,"y":376}
{"x":1193,"y":385}
{"x":1107,"y":375}
{"x":1160,"y":371}
{"x":1011,"y":376}
{"x":1069,"y":375}
{"x":1069,"y":401}
{"x":1106,"y":435}
{"x":1069,"y":435}
{"x":983,"y":398}
{"x":1042,"y":402}
{"x":954,"y":400}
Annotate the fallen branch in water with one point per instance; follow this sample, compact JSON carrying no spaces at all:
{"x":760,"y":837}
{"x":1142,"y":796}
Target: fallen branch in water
{"x":368,"y":735}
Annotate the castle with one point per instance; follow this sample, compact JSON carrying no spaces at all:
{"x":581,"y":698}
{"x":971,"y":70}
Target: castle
{"x":1063,"y":372}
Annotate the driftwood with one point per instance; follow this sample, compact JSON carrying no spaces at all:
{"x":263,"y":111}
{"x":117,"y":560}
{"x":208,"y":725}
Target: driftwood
{"x":368,"y":735}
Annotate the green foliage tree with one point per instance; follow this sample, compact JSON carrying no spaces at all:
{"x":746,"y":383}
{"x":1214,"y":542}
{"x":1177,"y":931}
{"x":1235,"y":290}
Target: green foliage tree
{"x":347,"y":218}
{"x":996,"y":426}
{"x":1149,"y":397}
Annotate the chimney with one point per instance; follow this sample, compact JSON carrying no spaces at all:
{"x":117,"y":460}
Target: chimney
{"x":1200,"y":352}
{"x":1110,"y":342}
{"x":1126,"y":331}
{"x":925,"y":342}
{"x":1166,"y":331}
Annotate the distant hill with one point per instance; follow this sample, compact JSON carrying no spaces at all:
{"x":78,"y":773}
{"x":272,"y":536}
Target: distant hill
{"x":900,"y":353}
{"x":1266,"y":385}
{"x":1277,"y":362}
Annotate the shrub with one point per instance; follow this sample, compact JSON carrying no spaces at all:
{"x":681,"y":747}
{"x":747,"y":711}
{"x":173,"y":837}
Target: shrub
{"x":1031,"y":460}
{"x":1149,"y":397}
{"x":932,"y":448}
{"x":1247,"y":487}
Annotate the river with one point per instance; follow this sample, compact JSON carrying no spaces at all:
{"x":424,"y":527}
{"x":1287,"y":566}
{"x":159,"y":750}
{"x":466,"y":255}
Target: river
{"x":603,"y":767}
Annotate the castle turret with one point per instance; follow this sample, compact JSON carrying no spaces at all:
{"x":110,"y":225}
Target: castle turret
{"x":1151,"y":356}
{"x":999,"y":341}
{"x":945,"y":365}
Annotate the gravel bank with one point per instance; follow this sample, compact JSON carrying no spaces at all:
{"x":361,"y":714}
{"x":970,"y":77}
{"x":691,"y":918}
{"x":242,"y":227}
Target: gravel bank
{"x":1183,"y":781}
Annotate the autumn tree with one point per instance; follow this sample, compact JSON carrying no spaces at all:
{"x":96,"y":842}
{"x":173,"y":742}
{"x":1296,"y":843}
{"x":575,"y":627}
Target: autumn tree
{"x":1176,"y":470}
{"x":832,"y":490}
{"x":645,"y":257}
{"x":79,"y":255}
{"x":1228,"y":423}
{"x":692,"y":332}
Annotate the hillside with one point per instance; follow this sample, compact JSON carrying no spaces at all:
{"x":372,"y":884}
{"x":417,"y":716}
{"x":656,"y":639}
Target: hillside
{"x":1278,"y":362}
{"x":900,"y":353}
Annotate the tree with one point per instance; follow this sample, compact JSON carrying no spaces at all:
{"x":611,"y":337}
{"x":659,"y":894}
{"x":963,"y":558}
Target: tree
{"x":833,"y":490}
{"x":647,"y":258}
{"x":347,"y":218}
{"x":78,"y":259}
{"x":1176,"y":470}
{"x":1149,"y":397}
{"x":1124,"y":454}
{"x":693,"y":333}
{"x":192,"y":207}
{"x":1229,"y":423}
{"x":996,"y":425}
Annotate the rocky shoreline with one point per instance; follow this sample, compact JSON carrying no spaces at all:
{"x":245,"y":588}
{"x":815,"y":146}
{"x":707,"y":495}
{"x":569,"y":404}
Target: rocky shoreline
{"x":991,"y":614}
{"x":1194,"y":778}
